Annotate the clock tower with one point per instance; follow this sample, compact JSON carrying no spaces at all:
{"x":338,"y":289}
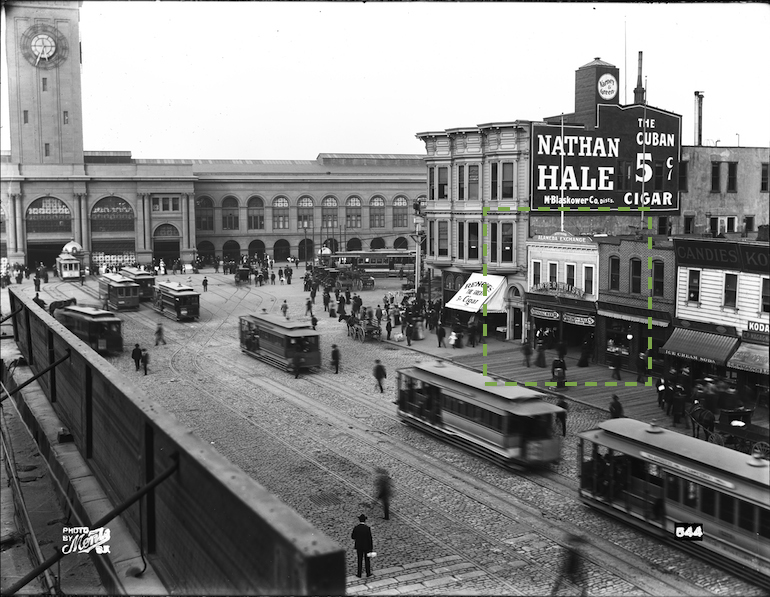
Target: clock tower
{"x":46,"y":112}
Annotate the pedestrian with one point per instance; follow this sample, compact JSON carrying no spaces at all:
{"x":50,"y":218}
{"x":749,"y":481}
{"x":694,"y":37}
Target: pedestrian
{"x":297,"y":362}
{"x":441,"y":335}
{"x":616,"y":408}
{"x":378,"y":314}
{"x":313,"y":321}
{"x":37,"y":283}
{"x":285,"y":309}
{"x":615,"y":363}
{"x":562,"y":416}
{"x":585,"y":355}
{"x":205,"y":284}
{"x":136,"y":354}
{"x":409,"y":333}
{"x":572,"y":566}
{"x":379,"y":374}
{"x":641,"y":368}
{"x":559,"y":372}
{"x":527,"y":350}
{"x":159,"y":335}
{"x":389,"y":328}
{"x":680,"y":398}
{"x":660,"y":385}
{"x":362,"y":536}
{"x":272,"y":278}
{"x":540,"y":361}
{"x":308,"y":307}
{"x":145,"y":359}
{"x":383,"y":491}
{"x":453,"y":339}
{"x":335,"y":358}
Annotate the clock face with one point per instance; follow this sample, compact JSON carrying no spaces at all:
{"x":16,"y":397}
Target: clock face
{"x":44,"y":46}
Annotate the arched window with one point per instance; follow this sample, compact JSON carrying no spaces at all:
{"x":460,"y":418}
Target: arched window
{"x":377,"y":243}
{"x":304,"y":213}
{"x":280,"y":214}
{"x":255,"y":214}
{"x":112,"y":214}
{"x":229,"y":213}
{"x":166,"y":230}
{"x":614,"y":273}
{"x":354,"y":244}
{"x":449,"y":282}
{"x":400,"y":243}
{"x":459,"y":281}
{"x":658,"y":270}
{"x":204,"y":213}
{"x":400,"y":212}
{"x":48,"y":214}
{"x":329,"y":213}
{"x":635,"y":276}
{"x":231,"y":251}
{"x":353,"y":213}
{"x":377,"y":212}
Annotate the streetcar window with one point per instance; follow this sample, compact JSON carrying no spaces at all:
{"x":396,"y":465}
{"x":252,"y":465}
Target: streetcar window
{"x":655,"y":475}
{"x":764,"y":523}
{"x":726,"y":508}
{"x":746,"y":516}
{"x":672,"y":488}
{"x":691,"y":494}
{"x":708,"y":501}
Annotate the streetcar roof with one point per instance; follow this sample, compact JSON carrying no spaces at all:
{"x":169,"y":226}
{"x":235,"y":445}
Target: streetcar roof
{"x":118,"y":279}
{"x":176,"y":287}
{"x":520,"y":400}
{"x":289,"y":327}
{"x":91,"y":313}
{"x":630,"y":436}
{"x":135,"y":272}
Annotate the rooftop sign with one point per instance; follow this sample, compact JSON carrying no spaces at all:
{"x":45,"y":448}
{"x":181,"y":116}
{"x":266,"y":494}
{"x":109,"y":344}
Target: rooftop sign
{"x":629,"y":161}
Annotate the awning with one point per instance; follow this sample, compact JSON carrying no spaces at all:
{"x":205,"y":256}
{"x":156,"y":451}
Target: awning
{"x":630,"y":313}
{"x":700,"y":346}
{"x":471,"y":297}
{"x":751,"y":357}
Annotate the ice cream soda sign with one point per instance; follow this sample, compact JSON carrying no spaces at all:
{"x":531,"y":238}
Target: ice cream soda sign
{"x":631,"y":159}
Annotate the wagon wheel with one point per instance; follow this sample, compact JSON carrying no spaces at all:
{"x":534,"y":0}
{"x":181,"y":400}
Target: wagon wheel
{"x":362,"y":333}
{"x":717,"y":439}
{"x":761,"y":450}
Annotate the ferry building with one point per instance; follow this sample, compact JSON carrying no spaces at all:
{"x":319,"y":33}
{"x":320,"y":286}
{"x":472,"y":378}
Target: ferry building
{"x":125,"y":210}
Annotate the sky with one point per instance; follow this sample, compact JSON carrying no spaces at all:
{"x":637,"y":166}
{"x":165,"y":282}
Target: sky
{"x":290,"y":80}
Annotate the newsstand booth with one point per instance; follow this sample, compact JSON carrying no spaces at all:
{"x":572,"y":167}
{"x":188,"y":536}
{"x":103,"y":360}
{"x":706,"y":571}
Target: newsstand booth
{"x":481,"y":296}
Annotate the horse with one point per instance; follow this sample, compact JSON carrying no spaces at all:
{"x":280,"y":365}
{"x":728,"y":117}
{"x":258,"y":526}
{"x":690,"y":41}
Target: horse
{"x":701,"y":417}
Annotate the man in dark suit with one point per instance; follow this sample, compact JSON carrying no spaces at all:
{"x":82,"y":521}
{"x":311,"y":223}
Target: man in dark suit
{"x":136,"y":354}
{"x":362,"y":535}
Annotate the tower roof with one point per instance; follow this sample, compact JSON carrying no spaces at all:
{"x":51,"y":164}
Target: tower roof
{"x":597,"y":62}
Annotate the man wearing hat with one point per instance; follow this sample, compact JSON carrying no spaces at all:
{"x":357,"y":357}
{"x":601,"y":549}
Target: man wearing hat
{"x":335,"y":358}
{"x":362,"y":535}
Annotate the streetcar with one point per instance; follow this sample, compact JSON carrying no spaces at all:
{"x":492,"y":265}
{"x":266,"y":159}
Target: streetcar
{"x":277,"y":340}
{"x":100,"y":329}
{"x":118,"y":292}
{"x":176,"y":301}
{"x":146,"y":281}
{"x":510,"y":424}
{"x":68,"y":267}
{"x":707,"y":499}
{"x":379,"y":263}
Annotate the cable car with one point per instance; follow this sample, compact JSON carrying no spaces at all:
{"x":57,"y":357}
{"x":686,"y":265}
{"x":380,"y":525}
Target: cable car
{"x":276,"y":340}
{"x":100,"y":329}
{"x":176,"y":301}
{"x":380,"y":263}
{"x":118,"y":292}
{"x":68,"y":267}
{"x":146,"y":281}
{"x":706,"y":499}
{"x":509,"y":424}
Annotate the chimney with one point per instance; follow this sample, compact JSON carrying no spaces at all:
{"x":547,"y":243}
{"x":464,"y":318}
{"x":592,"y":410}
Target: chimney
{"x":698,"y":118}
{"x":639,"y":93}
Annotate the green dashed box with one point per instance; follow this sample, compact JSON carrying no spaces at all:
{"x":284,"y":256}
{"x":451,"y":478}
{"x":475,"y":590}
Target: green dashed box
{"x":573,"y":384}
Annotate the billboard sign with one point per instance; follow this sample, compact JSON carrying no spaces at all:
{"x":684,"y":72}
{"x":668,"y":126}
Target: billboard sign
{"x":630,"y":160}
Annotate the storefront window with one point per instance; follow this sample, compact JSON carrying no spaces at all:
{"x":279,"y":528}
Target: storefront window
{"x":731,"y":289}
{"x":693,"y":286}
{"x":617,"y":336}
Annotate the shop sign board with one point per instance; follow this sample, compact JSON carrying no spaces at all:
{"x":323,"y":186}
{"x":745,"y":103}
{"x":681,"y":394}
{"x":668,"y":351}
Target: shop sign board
{"x":714,"y":254}
{"x":578,"y":168}
{"x":558,"y":288}
{"x":757,"y":331}
{"x":584,"y":320}
{"x":544,"y":313}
